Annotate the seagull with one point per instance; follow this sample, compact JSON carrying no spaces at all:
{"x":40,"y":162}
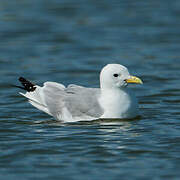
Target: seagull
{"x":113,"y":100}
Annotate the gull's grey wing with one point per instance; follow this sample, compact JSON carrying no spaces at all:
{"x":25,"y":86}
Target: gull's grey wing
{"x":73,"y":101}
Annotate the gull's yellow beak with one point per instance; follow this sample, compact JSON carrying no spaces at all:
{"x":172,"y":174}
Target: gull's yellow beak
{"x":134,"y":79}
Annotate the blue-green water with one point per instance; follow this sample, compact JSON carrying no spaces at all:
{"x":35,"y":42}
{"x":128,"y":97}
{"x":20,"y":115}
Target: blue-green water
{"x":69,"y":42}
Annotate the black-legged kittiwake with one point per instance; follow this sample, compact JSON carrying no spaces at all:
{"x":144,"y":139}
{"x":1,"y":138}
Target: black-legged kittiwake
{"x":74,"y":103}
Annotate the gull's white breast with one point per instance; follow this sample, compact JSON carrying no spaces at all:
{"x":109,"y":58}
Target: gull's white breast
{"x":118,"y":103}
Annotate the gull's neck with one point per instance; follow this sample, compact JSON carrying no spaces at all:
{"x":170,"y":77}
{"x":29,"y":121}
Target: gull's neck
{"x":113,"y":89}
{"x":114,"y":95}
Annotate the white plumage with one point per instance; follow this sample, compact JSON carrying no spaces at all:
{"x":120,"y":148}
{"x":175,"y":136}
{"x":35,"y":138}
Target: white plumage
{"x":74,"y":103}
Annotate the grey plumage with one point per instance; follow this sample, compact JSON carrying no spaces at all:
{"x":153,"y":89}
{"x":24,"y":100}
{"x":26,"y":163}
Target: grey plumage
{"x":79,"y":101}
{"x":72,"y":102}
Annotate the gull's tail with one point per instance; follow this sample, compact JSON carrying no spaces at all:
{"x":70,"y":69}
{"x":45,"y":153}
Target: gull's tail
{"x":34,"y":94}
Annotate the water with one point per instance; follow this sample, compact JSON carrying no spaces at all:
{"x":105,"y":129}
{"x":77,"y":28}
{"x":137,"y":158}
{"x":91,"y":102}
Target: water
{"x":69,"y":42}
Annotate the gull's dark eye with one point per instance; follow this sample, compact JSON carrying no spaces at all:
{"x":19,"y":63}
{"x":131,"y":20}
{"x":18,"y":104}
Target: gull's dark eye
{"x":115,"y":75}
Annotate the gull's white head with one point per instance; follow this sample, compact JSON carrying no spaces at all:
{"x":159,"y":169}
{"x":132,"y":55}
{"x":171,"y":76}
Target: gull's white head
{"x":116,"y":76}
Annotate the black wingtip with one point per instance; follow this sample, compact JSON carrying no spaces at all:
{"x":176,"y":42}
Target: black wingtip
{"x":22,"y":79}
{"x":27,"y":85}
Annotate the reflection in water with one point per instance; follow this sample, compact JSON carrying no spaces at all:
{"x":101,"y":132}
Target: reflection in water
{"x":116,"y":132}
